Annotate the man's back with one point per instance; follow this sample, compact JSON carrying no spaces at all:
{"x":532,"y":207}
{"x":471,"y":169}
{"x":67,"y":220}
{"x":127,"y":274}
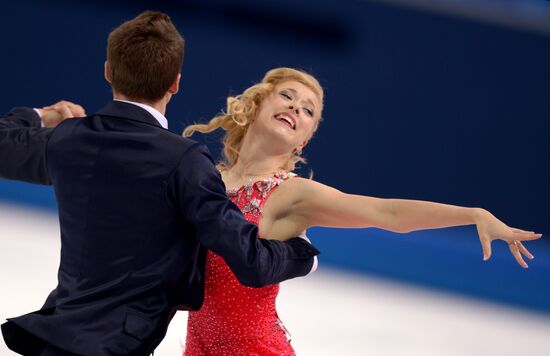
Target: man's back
{"x":125,"y":246}
{"x":111,"y":177}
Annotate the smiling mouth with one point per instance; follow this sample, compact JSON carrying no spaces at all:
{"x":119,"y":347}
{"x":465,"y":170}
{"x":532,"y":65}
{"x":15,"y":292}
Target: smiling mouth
{"x":286,"y":119}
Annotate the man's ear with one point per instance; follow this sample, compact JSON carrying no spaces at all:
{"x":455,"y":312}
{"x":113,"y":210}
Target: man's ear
{"x":175,"y":87}
{"x":106,"y":72}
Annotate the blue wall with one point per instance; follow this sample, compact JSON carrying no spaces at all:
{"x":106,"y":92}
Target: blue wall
{"x":418,"y":105}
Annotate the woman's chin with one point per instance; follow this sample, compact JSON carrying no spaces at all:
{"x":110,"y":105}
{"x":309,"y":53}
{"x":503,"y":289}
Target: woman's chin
{"x":282,"y":133}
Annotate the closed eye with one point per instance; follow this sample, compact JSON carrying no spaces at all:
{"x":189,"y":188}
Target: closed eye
{"x":286,"y":95}
{"x":309,"y":112}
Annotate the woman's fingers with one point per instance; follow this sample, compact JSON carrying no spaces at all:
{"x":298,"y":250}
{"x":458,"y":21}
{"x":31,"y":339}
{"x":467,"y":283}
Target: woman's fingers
{"x":525,"y":236}
{"x":517,"y":255}
{"x":65,"y":111}
{"x":62,"y":106}
{"x":486,"y":246}
{"x":77,"y":110}
{"x":520,"y":230}
{"x":524,"y":251}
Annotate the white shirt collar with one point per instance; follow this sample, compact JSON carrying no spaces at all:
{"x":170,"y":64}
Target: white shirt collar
{"x":156,"y":114}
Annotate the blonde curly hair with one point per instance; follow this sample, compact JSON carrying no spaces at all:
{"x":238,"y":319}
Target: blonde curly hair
{"x":242,"y":109}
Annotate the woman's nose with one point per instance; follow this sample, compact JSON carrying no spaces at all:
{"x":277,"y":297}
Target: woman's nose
{"x":293,"y":108}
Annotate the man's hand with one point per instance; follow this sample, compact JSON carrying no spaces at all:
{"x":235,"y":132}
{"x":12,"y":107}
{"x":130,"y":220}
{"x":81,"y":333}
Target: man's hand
{"x":52,"y":115}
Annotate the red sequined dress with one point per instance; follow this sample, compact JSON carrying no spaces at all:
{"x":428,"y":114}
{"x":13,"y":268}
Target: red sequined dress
{"x":234,"y":319}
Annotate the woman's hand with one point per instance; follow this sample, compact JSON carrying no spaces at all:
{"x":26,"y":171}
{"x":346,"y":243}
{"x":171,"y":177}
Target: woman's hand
{"x":490,"y":228}
{"x":54,"y":114}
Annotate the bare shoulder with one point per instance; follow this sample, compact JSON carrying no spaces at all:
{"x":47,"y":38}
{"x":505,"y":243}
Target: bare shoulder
{"x":292,"y":190}
{"x":303,"y":188}
{"x":281,"y":216}
{"x":290,"y":195}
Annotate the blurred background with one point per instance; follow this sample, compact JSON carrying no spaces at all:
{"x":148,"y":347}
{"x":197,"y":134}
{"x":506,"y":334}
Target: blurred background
{"x":443,"y":100}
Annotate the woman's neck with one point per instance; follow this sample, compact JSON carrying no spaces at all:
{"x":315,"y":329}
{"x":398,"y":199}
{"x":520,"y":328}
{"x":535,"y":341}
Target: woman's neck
{"x":256,"y":161}
{"x":251,"y":168}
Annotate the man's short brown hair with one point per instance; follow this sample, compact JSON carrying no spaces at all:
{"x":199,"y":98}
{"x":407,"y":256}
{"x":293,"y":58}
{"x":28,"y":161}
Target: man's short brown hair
{"x":144,"y":56}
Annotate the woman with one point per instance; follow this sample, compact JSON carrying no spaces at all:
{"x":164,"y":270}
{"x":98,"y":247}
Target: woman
{"x":267,"y":127}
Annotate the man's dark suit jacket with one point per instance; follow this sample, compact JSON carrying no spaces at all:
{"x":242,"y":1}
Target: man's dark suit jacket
{"x":138,"y":207}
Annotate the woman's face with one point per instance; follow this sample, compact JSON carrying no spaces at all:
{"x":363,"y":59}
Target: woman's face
{"x":288,"y":115}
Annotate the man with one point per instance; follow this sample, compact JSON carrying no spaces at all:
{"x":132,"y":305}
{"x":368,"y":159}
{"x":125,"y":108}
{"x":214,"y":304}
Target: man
{"x":138,"y":207}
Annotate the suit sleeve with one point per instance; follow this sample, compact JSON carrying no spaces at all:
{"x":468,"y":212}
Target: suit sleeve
{"x":23,"y":146}
{"x":221,"y":227}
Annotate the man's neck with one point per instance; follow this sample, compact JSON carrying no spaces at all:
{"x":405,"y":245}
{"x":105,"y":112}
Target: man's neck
{"x":155,"y":111}
{"x":160,"y":105}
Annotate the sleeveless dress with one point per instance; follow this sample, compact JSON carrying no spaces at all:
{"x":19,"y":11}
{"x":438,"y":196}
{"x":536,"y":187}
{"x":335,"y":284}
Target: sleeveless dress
{"x":235,"y":319}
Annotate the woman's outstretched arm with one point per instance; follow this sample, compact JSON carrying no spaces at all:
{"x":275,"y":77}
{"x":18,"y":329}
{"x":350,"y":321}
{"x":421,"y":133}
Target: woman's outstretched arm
{"x":302,"y":203}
